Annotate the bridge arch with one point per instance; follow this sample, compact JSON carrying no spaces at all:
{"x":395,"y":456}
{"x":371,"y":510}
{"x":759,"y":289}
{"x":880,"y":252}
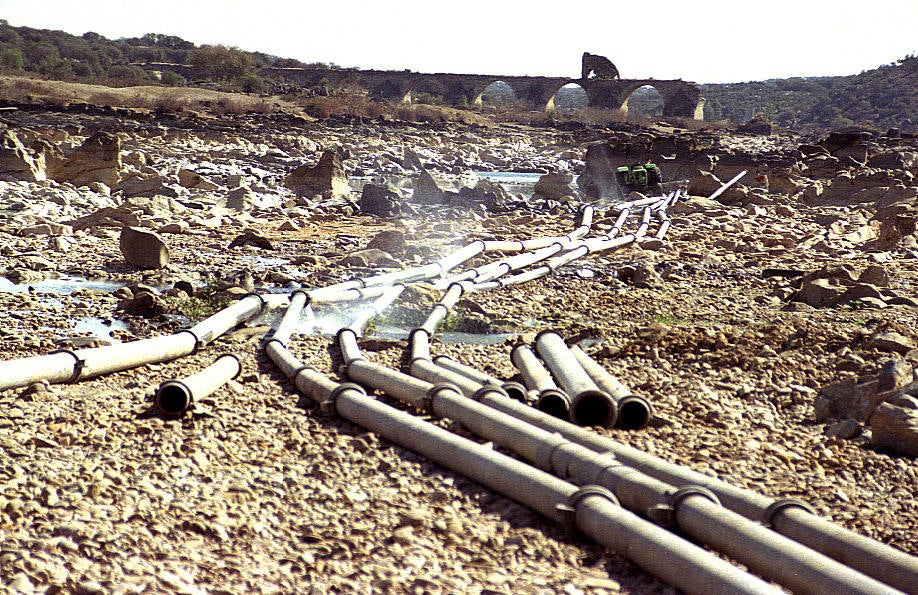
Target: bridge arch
{"x":498,"y":91}
{"x":568,"y":98}
{"x":645,"y":100}
{"x":424,"y":87}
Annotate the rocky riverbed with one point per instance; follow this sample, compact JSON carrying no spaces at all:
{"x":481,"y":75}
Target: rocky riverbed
{"x":772,"y":329}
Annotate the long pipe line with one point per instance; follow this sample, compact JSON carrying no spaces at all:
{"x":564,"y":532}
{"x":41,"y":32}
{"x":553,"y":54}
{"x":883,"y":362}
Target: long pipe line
{"x":788,"y":517}
{"x":446,"y":401}
{"x":74,"y":365}
{"x":692,"y":510}
{"x":591,"y":511}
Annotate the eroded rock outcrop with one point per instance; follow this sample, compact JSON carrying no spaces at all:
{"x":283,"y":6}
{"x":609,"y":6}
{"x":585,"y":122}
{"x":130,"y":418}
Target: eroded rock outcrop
{"x":98,"y":159}
{"x":327,"y":178}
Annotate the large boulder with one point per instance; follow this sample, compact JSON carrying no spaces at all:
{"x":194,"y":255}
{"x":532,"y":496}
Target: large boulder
{"x":147,"y":183}
{"x":383,"y":200}
{"x":327,"y":178}
{"x":143,"y":248}
{"x":193,"y":180}
{"x":555,"y":186}
{"x":894,"y":423}
{"x":98,"y":159}
{"x":429,"y":190}
{"x":17,"y":162}
{"x":704,"y":183}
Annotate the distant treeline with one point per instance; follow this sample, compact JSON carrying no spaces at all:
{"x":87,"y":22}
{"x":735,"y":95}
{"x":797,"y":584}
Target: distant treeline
{"x":886,"y":97}
{"x":882,"y":98}
{"x":91,"y":58}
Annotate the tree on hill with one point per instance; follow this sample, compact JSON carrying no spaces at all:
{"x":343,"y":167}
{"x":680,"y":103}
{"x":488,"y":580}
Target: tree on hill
{"x":220,"y":63}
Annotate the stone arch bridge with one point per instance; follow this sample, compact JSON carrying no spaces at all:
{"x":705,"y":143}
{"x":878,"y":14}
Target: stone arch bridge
{"x":680,"y":98}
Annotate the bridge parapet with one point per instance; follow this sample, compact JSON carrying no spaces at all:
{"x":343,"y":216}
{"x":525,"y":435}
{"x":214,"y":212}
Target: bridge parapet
{"x":680,"y":98}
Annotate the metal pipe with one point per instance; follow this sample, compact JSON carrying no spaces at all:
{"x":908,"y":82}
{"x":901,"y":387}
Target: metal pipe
{"x":636,"y":203}
{"x":299,"y":300}
{"x":692,"y":510}
{"x":724,"y":187}
{"x":656,"y":549}
{"x":634,"y":412}
{"x":213,"y":326}
{"x":788,"y":517}
{"x":514,"y":389}
{"x":589,"y":404}
{"x":441,"y":309}
{"x":76,"y":365}
{"x":345,"y":294}
{"x":174,"y":397}
{"x":619,"y":223}
{"x":645,"y":223}
{"x":537,"y":378}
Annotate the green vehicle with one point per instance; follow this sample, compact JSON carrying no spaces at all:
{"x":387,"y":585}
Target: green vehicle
{"x":639,"y":175}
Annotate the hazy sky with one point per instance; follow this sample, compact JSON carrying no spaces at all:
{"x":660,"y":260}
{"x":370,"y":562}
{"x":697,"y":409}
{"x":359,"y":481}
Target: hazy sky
{"x":704,"y":41}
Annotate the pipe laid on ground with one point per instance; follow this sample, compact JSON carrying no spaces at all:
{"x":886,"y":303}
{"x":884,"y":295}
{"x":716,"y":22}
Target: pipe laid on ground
{"x":664,"y":554}
{"x":788,"y":517}
{"x":440,"y":310}
{"x":174,"y":397}
{"x":726,"y":185}
{"x":538,"y":379}
{"x":514,"y":389}
{"x":634,"y":412}
{"x":74,"y":365}
{"x":589,"y":404}
{"x":693,"y":511}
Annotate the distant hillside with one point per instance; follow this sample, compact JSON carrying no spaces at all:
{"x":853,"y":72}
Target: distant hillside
{"x":883,"y":98}
{"x":91,"y":58}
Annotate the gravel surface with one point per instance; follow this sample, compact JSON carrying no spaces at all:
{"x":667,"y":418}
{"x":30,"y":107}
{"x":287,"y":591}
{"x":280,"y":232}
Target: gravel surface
{"x":258,"y":490}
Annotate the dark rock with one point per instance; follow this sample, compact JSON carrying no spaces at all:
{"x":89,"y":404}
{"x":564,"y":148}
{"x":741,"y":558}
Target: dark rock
{"x":250,"y":238}
{"x":143,"y":248}
{"x":382,"y":200}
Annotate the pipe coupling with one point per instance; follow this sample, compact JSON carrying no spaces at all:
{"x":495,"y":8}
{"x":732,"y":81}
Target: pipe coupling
{"x":487,"y":390}
{"x":781,"y":505}
{"x":427,"y":403}
{"x":77,"y":364}
{"x":665,"y":514}
{"x":330,"y":405}
{"x":568,"y":510}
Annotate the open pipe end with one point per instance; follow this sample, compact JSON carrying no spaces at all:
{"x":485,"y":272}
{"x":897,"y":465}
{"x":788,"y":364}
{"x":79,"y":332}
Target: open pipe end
{"x":172,"y":399}
{"x":593,"y":408}
{"x":516,"y":391}
{"x":634,"y":413}
{"x":554,"y":402}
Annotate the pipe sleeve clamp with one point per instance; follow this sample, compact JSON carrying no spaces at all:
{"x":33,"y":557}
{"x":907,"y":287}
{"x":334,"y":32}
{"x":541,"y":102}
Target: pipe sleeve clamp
{"x":330,"y":405}
{"x":77,"y":364}
{"x":568,"y":510}
{"x":781,"y":505}
{"x":665,"y":514}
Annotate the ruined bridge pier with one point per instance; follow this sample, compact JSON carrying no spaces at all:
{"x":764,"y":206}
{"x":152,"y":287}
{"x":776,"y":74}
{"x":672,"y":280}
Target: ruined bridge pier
{"x":680,"y":98}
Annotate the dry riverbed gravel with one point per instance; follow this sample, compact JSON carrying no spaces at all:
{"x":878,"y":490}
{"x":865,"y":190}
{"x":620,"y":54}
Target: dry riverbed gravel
{"x":257,"y":490}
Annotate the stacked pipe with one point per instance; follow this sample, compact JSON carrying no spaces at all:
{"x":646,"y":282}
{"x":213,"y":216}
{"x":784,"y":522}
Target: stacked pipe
{"x":691,"y":509}
{"x":713,"y":574}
